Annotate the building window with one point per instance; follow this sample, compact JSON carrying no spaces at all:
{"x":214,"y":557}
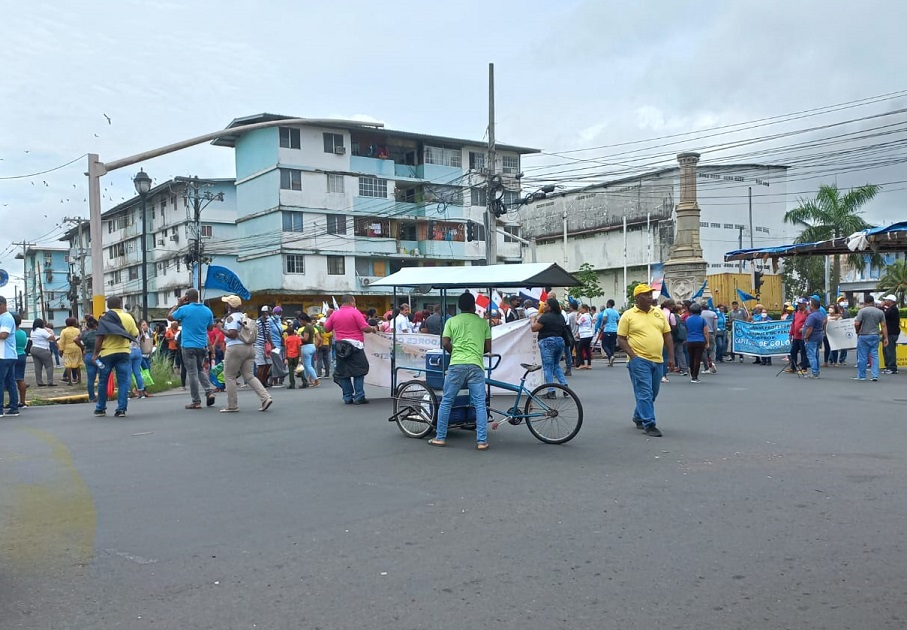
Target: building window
{"x":728,"y":226}
{"x":206,"y":231}
{"x":372,"y":227}
{"x":443,"y":157}
{"x":336,"y":265}
{"x":292,"y":221}
{"x":117,"y":277}
{"x":336,"y":224}
{"x":133,"y":273}
{"x":290,"y":179}
{"x":703,"y":224}
{"x":163,"y":203}
{"x":479,"y":197}
{"x":117,"y":250}
{"x":715,"y":225}
{"x":408,"y":231}
{"x":294,"y":263}
{"x":513,"y":230}
{"x":289,"y":138}
{"x":333,"y":143}
{"x":335,"y":183}
{"x":372,"y":187}
{"x":476,"y":161}
{"x":510,"y":164}
{"x":510,"y":197}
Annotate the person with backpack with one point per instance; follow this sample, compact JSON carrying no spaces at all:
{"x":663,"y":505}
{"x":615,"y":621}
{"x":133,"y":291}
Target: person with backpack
{"x":308,"y":336}
{"x":323,"y":351}
{"x":241,"y":333}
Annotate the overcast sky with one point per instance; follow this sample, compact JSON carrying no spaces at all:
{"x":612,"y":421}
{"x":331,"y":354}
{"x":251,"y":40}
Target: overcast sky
{"x":571,"y":74}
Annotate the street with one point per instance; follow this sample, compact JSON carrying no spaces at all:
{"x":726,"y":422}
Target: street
{"x":771,"y":502}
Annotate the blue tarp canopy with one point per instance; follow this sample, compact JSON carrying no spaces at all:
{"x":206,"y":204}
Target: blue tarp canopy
{"x":891,"y":238}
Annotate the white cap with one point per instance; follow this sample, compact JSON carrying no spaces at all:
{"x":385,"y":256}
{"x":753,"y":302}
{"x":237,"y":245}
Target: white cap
{"x":890,"y":297}
{"x":265,"y":309}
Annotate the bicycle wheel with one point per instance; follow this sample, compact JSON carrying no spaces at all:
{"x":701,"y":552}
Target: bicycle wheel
{"x":553,"y":420}
{"x":415,"y":409}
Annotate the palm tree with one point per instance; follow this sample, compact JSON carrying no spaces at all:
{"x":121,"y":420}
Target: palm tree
{"x":833,"y":215}
{"x":894,"y":280}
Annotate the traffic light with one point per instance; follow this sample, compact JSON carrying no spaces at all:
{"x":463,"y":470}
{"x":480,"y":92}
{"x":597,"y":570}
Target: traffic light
{"x":470,"y":231}
{"x":757,"y":280}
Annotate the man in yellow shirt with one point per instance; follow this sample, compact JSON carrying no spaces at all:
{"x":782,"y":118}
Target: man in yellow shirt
{"x":116,"y":333}
{"x":643,"y":333}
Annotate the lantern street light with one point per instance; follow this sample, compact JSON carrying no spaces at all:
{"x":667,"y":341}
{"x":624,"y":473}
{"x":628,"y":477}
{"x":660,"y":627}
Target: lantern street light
{"x":142,"y":187}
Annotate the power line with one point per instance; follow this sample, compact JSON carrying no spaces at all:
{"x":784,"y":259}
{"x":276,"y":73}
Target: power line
{"x":50,"y":170}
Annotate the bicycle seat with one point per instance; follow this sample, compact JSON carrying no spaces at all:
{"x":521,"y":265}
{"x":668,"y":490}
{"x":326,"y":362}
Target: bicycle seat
{"x":531,"y":367}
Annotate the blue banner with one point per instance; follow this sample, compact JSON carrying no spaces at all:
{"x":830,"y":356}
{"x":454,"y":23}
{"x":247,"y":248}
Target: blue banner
{"x":224,"y":279}
{"x":762,"y":339}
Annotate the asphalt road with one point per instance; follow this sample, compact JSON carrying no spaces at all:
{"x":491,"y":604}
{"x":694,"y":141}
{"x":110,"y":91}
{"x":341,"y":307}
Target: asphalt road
{"x":770,"y":503}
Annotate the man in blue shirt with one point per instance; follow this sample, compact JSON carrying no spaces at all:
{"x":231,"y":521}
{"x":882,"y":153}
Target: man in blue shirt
{"x":8,"y":357}
{"x":607,"y":324}
{"x":813,"y":334}
{"x":196,"y":320}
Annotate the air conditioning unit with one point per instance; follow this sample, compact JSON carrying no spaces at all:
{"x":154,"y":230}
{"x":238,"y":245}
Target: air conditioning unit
{"x":340,"y":150}
{"x":365,"y":281}
{"x":175,"y":238}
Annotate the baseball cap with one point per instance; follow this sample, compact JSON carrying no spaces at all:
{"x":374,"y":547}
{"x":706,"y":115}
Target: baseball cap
{"x":278,"y":309}
{"x":802,"y":300}
{"x":841,"y":298}
{"x":642,"y":288}
{"x":232,"y":300}
{"x":265,"y":309}
{"x":890,"y":297}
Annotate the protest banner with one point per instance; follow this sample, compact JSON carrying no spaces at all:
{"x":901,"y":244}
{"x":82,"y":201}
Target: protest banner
{"x":841,"y":333}
{"x":761,"y":339}
{"x":514,"y":341}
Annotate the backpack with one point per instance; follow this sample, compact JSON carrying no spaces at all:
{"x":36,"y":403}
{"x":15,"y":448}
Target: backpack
{"x":248,"y":331}
{"x":317,"y":339}
{"x":679,"y":332}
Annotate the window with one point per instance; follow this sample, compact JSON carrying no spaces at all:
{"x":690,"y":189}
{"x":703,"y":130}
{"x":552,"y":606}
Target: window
{"x":117,"y":250}
{"x":294,"y":263}
{"x":372,"y":187}
{"x":408,"y":230}
{"x":372,"y":227}
{"x":510,"y":164}
{"x":513,"y":230}
{"x":715,"y":225}
{"x":333,"y":142}
{"x":728,"y":226}
{"x":443,"y":157}
{"x":703,"y":224}
{"x":510,"y":197}
{"x":289,"y":138}
{"x":206,"y":231}
{"x":163,"y":203}
{"x":476,"y":160}
{"x":479,"y":197}
{"x":133,"y":273}
{"x":335,"y":183}
{"x":290,"y":179}
{"x":336,"y":224}
{"x":117,"y":277}
{"x":292,"y":221}
{"x":336,"y":265}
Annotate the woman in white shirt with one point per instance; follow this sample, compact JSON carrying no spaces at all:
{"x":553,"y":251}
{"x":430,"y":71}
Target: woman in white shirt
{"x":40,"y":352}
{"x":584,"y":331}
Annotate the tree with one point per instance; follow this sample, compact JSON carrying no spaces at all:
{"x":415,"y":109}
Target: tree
{"x":894,"y":280}
{"x":590,"y":288}
{"x":802,"y":276}
{"x":833,"y":215}
{"x":630,"y":289}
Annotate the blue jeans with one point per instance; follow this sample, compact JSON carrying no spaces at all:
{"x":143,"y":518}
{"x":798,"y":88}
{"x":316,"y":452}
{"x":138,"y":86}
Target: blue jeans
{"x":353,"y":388}
{"x":308,"y":362}
{"x":135,"y":368}
{"x":118,"y":363}
{"x":720,"y":346}
{"x":91,"y":376}
{"x":645,"y":376}
{"x":867,"y":346}
{"x":473,"y":377}
{"x":551,"y":349}
{"x":812,"y":354}
{"x":8,"y":384}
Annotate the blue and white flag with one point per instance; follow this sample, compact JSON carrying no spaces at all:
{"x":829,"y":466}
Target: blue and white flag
{"x":701,"y":290}
{"x":745,"y":297}
{"x":224,"y":279}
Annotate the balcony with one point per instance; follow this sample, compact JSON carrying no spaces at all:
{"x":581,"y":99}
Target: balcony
{"x":372,"y":166}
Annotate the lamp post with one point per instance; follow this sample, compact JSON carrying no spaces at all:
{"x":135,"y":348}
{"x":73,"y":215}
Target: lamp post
{"x":142,"y":186}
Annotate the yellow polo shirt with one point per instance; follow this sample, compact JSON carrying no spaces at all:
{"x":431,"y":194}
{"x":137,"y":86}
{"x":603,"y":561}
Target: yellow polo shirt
{"x":113,"y":344}
{"x":644,"y":332}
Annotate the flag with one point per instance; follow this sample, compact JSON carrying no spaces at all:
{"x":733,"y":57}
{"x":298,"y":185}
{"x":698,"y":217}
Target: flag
{"x":701,"y":290}
{"x":536,"y":294}
{"x":496,"y":300}
{"x":482,"y":303}
{"x":744,"y":296}
{"x":324,"y":309}
{"x":664,"y":290}
{"x":710,"y":304}
{"x":224,"y":279}
{"x":334,"y":300}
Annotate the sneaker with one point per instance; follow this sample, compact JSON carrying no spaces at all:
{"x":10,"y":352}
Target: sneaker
{"x":695,"y":380}
{"x":713,"y":370}
{"x":100,"y":413}
{"x":362,"y":401}
{"x":812,"y":376}
{"x":639,"y":424}
{"x":119,"y":413}
{"x":565,"y":394}
{"x":664,"y":379}
{"x":858,"y":378}
{"x":229,"y":410}
{"x":652,"y":431}
{"x":267,"y":403}
{"x":12,"y":413}
{"x":872,"y":379}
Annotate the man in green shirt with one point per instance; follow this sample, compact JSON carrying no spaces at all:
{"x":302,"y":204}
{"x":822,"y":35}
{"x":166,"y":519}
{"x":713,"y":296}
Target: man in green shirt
{"x":467,"y":337}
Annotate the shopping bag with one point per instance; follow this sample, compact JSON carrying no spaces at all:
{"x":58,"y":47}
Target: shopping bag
{"x":110,"y":384}
{"x":146,"y":377}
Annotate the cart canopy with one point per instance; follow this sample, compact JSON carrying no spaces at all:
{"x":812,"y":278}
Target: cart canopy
{"x":891,"y":238}
{"x":524,"y":275}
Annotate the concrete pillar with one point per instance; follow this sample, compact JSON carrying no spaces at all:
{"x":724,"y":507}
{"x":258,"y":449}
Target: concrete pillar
{"x":686,"y":269}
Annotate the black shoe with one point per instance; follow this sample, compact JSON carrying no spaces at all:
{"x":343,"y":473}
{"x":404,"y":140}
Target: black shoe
{"x":100,"y":413}
{"x":639,"y":424}
{"x":550,"y":395}
{"x":361,"y":401}
{"x":119,"y":413}
{"x":566,"y":395}
{"x":11,"y":413}
{"x":652,"y":431}
{"x":347,"y":402}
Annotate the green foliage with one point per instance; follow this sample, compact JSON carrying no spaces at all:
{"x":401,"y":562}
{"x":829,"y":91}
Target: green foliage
{"x":803,"y":275}
{"x":590,"y":287}
{"x":630,"y":289}
{"x":894,"y":280}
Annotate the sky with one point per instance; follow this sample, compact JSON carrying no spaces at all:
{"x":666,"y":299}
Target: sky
{"x":578,"y":78}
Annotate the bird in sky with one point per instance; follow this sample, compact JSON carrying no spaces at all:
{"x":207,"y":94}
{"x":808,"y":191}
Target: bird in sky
{"x":97,"y":136}
{"x":108,"y":119}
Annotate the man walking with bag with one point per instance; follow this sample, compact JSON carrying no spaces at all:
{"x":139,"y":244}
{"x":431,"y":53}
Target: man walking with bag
{"x":196,"y":320}
{"x":348,"y":326}
{"x":240,"y":333}
{"x":112,"y":345}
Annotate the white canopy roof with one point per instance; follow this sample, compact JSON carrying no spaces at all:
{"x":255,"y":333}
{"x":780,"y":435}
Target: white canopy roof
{"x":524,"y":275}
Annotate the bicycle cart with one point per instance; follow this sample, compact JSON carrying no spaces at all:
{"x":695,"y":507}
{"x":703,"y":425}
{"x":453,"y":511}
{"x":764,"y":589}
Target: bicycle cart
{"x":552,"y":419}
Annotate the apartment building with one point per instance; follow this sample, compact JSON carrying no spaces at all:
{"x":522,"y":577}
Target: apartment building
{"x":48,"y":291}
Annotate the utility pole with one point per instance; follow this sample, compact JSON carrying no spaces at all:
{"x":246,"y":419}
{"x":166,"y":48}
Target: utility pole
{"x":740,"y":246}
{"x":82,"y":295}
{"x":491,"y":221}
{"x":25,"y":245}
{"x":200,"y":201}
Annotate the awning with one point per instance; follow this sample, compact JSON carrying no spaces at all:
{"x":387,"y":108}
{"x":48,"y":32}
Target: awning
{"x":524,"y":275}
{"x":892,"y":238}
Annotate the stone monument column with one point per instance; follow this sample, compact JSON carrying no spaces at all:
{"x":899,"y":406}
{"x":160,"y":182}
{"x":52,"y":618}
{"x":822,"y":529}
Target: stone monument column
{"x":685,"y":269}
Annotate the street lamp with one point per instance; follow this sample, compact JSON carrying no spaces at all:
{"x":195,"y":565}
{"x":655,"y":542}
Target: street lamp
{"x":142,"y":187}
